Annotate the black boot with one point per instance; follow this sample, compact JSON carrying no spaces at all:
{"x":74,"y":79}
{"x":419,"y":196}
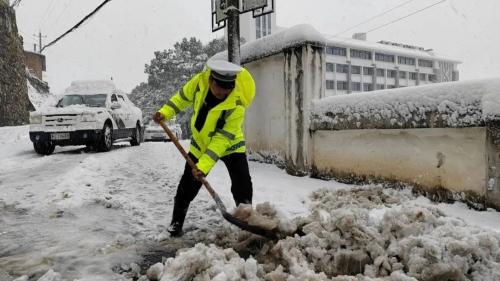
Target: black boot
{"x":178,"y":216}
{"x":175,"y":229}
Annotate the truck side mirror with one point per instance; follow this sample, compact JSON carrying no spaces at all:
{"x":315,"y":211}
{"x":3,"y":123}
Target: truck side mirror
{"x":115,"y":105}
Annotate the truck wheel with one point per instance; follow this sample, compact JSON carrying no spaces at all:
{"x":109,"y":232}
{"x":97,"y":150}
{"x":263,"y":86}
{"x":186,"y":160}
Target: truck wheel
{"x":44,"y":148}
{"x":136,"y":136}
{"x":106,"y":141}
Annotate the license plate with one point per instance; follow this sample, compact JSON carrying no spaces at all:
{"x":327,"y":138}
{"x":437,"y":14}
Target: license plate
{"x":59,"y":136}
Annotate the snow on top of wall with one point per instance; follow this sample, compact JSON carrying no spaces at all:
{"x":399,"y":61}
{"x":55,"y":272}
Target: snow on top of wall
{"x":90,"y":87}
{"x":276,"y":42}
{"x":454,"y":104}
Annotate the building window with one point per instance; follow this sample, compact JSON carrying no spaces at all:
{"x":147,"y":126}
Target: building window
{"x":342,"y":85}
{"x":329,"y":67}
{"x":336,"y":51}
{"x":342,"y":68}
{"x":257,"y":28}
{"x":269,"y":24}
{"x":432,"y":78}
{"x":356,"y":86}
{"x":367,"y":87}
{"x":422,"y":77}
{"x":391,"y":73}
{"x":413,"y":76}
{"x":406,"y":60}
{"x":380,"y":72}
{"x":402,"y":74}
{"x":361,"y":54}
{"x":425,"y":63}
{"x":355,"y":69}
{"x":330,"y":84}
{"x":384,"y":57}
{"x":380,"y":86}
{"x":367,"y":70}
{"x":264,"y":26}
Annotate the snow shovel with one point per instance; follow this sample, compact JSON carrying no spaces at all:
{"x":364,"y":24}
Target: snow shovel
{"x":220,"y":205}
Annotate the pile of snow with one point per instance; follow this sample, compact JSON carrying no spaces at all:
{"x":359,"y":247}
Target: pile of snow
{"x":277,"y":42}
{"x":363,"y":234}
{"x":266,"y":217}
{"x":454,"y":104}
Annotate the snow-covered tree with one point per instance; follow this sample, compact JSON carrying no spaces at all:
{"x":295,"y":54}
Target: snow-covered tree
{"x":169,"y":70}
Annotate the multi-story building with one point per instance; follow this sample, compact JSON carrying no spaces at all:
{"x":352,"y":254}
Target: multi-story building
{"x":259,"y":27}
{"x":252,"y":28}
{"x":356,"y":65}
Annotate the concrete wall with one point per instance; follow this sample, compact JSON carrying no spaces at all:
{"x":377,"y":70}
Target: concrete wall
{"x":265,"y":122}
{"x":278,"y":121}
{"x":493,"y":160}
{"x":35,"y":62}
{"x":451,"y":158}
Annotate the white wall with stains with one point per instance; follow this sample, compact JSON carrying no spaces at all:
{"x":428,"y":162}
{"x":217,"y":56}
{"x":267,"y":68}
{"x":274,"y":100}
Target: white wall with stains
{"x":265,"y":122}
{"x":451,"y":158}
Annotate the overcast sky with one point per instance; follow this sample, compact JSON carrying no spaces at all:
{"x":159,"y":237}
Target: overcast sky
{"x":122,"y":37}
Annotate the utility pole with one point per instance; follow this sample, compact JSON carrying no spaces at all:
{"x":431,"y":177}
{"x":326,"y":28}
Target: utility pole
{"x":226,"y":13}
{"x":233,"y":32}
{"x":39,"y":35}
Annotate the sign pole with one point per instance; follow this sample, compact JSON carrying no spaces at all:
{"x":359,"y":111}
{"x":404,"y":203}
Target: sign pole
{"x":233,"y":32}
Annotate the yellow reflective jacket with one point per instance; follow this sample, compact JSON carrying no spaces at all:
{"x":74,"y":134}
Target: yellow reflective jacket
{"x":222,"y":133}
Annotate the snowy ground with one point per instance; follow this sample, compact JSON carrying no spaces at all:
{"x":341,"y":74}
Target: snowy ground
{"x":81,"y":215}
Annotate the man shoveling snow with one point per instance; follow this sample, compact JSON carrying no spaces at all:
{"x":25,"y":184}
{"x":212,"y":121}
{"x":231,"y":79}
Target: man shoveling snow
{"x":219,"y":96}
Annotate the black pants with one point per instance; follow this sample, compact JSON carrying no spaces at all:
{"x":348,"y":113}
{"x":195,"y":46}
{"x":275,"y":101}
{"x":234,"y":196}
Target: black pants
{"x":241,"y":185}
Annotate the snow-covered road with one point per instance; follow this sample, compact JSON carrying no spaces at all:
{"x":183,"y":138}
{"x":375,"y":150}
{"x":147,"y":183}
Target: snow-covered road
{"x":83,"y":213}
{"x":89,"y":215}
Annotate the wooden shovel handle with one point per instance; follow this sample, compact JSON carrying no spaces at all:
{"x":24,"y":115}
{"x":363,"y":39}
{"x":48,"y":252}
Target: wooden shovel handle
{"x":190,"y":161}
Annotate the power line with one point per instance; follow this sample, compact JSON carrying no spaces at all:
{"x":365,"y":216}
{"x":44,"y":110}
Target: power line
{"x":44,"y":16}
{"x":374,"y":17}
{"x":404,"y":17}
{"x":77,"y":25}
{"x":67,"y":4}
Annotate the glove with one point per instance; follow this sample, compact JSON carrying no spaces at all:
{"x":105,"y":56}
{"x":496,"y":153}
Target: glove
{"x":158,"y":117}
{"x":197,"y":174}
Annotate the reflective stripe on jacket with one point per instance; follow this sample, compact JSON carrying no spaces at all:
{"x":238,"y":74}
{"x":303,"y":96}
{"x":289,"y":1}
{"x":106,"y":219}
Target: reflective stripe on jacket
{"x":214,"y":142}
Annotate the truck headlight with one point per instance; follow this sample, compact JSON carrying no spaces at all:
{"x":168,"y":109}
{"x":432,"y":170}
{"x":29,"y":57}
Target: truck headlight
{"x":35,"y":118}
{"x":89,"y":117}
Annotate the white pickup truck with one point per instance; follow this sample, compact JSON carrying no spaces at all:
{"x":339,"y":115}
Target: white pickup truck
{"x":91,"y":113}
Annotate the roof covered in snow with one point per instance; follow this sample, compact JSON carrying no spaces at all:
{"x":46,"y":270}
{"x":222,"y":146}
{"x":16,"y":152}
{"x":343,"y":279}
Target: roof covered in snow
{"x":275,"y":43}
{"x":454,"y":104}
{"x":304,"y":33}
{"x":385,"y":48}
{"x":90,"y":87}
